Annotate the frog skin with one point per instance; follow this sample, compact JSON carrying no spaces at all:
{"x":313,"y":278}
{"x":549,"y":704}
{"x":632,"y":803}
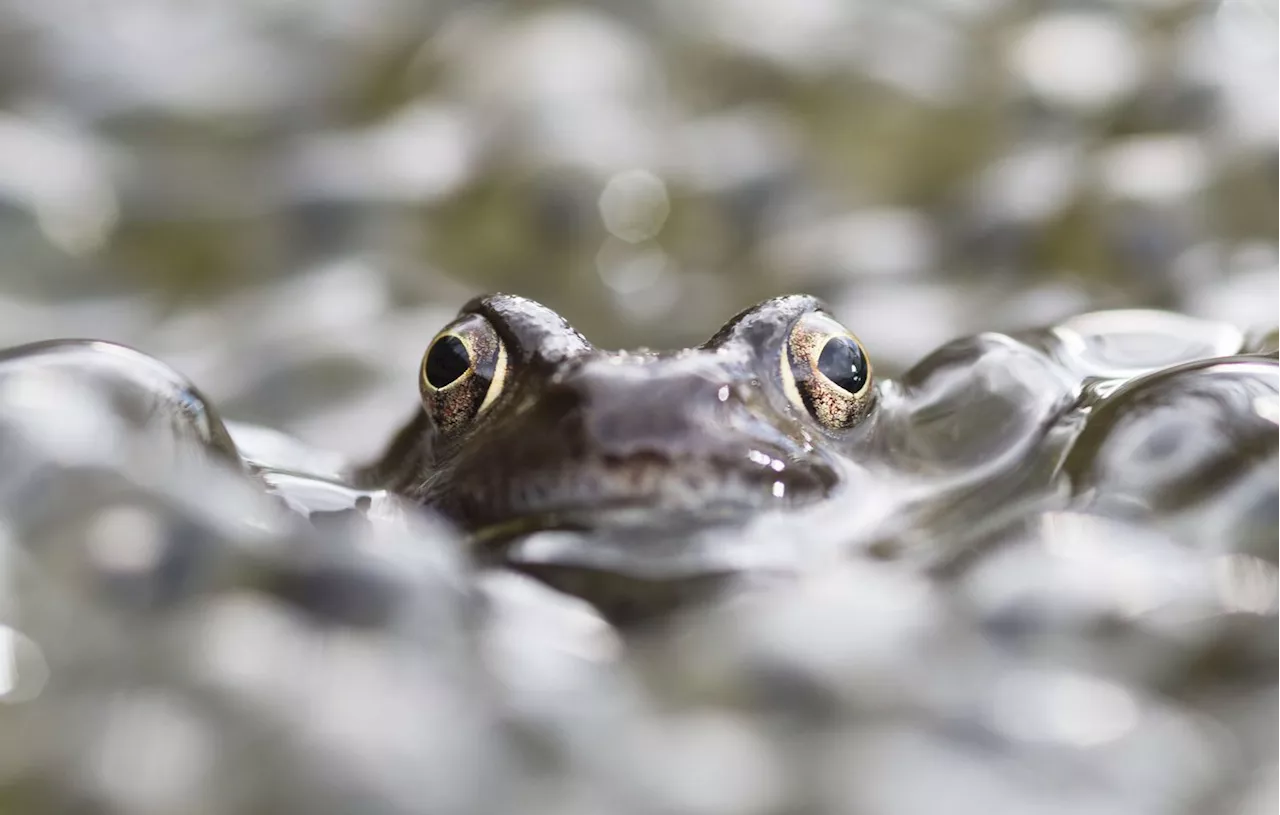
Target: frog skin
{"x":526,"y":425}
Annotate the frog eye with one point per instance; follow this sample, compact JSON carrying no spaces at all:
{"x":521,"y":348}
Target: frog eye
{"x":463,"y":372}
{"x":826,"y":372}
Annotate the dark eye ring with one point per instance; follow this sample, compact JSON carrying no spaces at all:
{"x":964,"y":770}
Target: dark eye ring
{"x":826,"y":371}
{"x":463,"y":372}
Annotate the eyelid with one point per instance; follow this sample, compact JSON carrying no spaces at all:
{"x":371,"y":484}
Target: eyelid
{"x":529,"y":329}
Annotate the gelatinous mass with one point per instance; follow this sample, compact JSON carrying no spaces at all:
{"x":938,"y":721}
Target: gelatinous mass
{"x":588,"y":467}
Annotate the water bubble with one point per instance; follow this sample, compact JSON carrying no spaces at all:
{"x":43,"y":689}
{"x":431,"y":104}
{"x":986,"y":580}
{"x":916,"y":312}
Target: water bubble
{"x":418,"y":154}
{"x":23,"y":669}
{"x":736,"y":147}
{"x":627,"y":270}
{"x":1245,"y":583}
{"x":151,"y":754}
{"x":1155,"y":168}
{"x":63,"y":178}
{"x":875,"y":241}
{"x":1127,"y":343}
{"x":240,"y":642}
{"x":1243,"y":26}
{"x":126,"y":539}
{"x":1029,"y":185}
{"x":1260,"y":797}
{"x":68,"y":418}
{"x":634,"y":205}
{"x":713,"y":763}
{"x":1077,"y":59}
{"x":1268,"y":407}
{"x":801,"y":35}
{"x":1059,"y":706}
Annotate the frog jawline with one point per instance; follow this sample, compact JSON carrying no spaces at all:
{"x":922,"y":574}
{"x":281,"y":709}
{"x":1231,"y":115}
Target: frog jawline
{"x":634,"y":517}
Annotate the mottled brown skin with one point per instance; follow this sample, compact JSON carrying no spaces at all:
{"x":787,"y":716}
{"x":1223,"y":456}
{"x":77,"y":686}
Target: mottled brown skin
{"x":579,"y":437}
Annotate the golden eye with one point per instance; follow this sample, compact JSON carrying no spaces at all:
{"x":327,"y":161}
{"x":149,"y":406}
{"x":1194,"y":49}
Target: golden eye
{"x":463,"y":372}
{"x":826,"y":372}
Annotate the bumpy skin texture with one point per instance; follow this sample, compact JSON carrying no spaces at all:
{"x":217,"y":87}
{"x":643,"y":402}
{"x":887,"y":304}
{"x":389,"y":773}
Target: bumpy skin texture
{"x":578,"y":433}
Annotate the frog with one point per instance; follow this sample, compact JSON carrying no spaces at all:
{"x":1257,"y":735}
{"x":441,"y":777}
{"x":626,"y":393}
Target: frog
{"x":639,"y":479}
{"x":525,"y":424}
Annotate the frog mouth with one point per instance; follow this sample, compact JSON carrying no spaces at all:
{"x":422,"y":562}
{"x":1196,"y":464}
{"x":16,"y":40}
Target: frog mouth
{"x":635,"y":516}
{"x":637,"y":498}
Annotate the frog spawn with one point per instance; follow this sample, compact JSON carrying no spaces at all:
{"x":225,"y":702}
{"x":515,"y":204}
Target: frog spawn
{"x":172,"y":633}
{"x":219,"y":648}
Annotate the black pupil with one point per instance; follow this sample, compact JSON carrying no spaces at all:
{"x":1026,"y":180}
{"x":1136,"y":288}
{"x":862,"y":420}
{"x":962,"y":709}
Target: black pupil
{"x":842,"y":362}
{"x":446,"y":361}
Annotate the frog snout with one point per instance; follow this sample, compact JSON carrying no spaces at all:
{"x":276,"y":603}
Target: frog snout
{"x":662,"y":416}
{"x":676,"y":435}
{"x":622,"y":417}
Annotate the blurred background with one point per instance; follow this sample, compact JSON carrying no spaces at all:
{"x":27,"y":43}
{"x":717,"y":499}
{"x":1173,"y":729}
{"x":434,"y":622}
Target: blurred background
{"x":284,"y":199}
